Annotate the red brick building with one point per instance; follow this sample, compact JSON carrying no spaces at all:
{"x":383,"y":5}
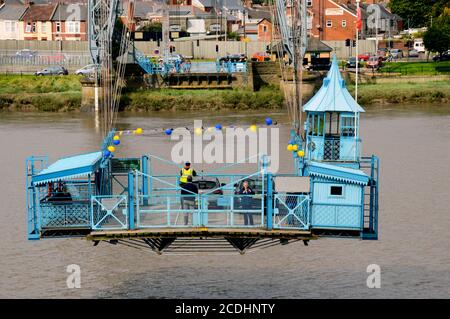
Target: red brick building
{"x":69,"y":23}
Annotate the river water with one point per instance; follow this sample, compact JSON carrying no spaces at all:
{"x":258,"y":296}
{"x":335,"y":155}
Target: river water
{"x":413,"y":251}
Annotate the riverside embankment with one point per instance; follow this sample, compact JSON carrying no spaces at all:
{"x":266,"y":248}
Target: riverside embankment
{"x":63,"y":94}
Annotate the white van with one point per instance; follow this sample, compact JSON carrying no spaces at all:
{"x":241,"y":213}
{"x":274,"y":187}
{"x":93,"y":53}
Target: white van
{"x":418,"y":45}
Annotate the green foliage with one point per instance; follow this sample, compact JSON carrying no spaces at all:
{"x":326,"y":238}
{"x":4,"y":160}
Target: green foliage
{"x":418,"y":13}
{"x":233,"y":36}
{"x":437,"y":37}
{"x":153,"y":27}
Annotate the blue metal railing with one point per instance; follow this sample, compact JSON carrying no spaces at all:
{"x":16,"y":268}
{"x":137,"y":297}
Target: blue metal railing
{"x":176,"y":210}
{"x":109,"y":212}
{"x":291,"y":211}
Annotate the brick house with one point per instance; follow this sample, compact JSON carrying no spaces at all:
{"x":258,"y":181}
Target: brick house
{"x":335,"y":20}
{"x":35,"y":23}
{"x":69,"y":23}
{"x":265,"y":30}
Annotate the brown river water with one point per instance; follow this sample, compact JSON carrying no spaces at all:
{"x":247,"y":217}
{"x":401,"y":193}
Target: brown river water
{"x":413,"y":251}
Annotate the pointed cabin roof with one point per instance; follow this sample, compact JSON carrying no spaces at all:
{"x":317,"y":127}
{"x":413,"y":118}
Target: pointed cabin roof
{"x":333,"y":96}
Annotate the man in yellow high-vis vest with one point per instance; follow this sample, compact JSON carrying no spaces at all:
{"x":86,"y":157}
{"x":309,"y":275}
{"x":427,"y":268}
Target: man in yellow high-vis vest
{"x":185,"y":172}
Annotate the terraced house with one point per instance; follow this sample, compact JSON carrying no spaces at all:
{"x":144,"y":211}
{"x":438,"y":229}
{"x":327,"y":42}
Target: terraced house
{"x":35,"y":23}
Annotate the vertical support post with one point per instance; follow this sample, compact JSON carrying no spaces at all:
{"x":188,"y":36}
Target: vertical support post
{"x":269,"y":201}
{"x":131,"y":225}
{"x":144,"y":169}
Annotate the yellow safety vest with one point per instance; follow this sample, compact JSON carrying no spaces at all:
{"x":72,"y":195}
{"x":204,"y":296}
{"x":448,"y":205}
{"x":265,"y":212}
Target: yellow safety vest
{"x":184,"y":174}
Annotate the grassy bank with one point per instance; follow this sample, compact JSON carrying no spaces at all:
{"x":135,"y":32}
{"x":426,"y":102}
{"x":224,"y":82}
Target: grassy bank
{"x":384,"y":93}
{"x":47,"y":93}
{"x":417,"y":68}
{"x":170,"y":99}
{"x":61,"y":94}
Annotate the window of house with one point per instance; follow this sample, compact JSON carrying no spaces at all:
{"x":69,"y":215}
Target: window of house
{"x":344,"y":23}
{"x":58,"y":27}
{"x":329,"y":23}
{"x":73,"y":26}
{"x":336,"y":190}
{"x":264,"y":28}
{"x":33,"y":27}
{"x":44,"y":28}
{"x":10,"y":26}
{"x":309,"y":3}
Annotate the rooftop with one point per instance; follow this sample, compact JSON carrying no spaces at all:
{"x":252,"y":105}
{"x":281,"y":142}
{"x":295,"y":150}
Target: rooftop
{"x":333,"y":96}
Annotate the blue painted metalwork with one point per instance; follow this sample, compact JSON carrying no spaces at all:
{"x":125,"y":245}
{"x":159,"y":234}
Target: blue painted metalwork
{"x":291,"y":211}
{"x":131,"y":188}
{"x":68,"y":168}
{"x":270,"y":201}
{"x":109,"y":212}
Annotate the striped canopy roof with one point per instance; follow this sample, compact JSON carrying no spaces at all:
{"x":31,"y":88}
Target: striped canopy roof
{"x":333,"y":96}
{"x":337,"y":173}
{"x":69,"y":168}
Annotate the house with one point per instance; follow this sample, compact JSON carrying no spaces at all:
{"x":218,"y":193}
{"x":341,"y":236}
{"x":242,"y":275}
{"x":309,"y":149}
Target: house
{"x":335,"y":20}
{"x":265,"y":30}
{"x":69,"y":23}
{"x":10,"y":15}
{"x":35,"y":23}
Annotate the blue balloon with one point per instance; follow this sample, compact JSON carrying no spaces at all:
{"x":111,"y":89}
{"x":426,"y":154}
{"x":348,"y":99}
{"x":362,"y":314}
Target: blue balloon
{"x":106,"y":153}
{"x":218,"y":127}
{"x":269,"y":121}
{"x":116,"y":142}
{"x":168,"y":131}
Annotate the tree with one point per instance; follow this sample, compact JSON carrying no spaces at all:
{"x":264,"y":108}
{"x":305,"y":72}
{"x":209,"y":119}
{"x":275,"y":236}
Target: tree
{"x":437,"y":37}
{"x":418,"y":13}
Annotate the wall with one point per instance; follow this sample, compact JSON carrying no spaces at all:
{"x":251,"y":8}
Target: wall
{"x":206,"y":49}
{"x":343,"y":52}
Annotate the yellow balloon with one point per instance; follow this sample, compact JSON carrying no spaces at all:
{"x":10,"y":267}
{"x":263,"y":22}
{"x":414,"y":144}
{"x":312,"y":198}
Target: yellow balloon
{"x":111,"y":148}
{"x":289,"y":147}
{"x":253,"y":128}
{"x":139,"y":131}
{"x":198,"y":131}
{"x":116,"y":138}
{"x":294,"y":147}
{"x":301,"y":153}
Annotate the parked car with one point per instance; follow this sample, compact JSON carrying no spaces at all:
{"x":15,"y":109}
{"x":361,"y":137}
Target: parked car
{"x":374,"y":62}
{"x":234,"y":58}
{"x":88,"y":69}
{"x":261,"y":57}
{"x":443,"y":57}
{"x":26,"y":53}
{"x":396,"y":53}
{"x":52,"y":70}
{"x":209,"y":185}
{"x":363,"y":57}
{"x":413,"y":53}
{"x":351,"y":63}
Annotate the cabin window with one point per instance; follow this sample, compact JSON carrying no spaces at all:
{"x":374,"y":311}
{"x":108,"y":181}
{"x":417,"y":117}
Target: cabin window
{"x":336,"y":190}
{"x":329,"y":23}
{"x":344,"y":23}
{"x":332,"y":124}
{"x":316,"y":122}
{"x":347,"y":125}
{"x":309,"y":3}
{"x":58,"y":27}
